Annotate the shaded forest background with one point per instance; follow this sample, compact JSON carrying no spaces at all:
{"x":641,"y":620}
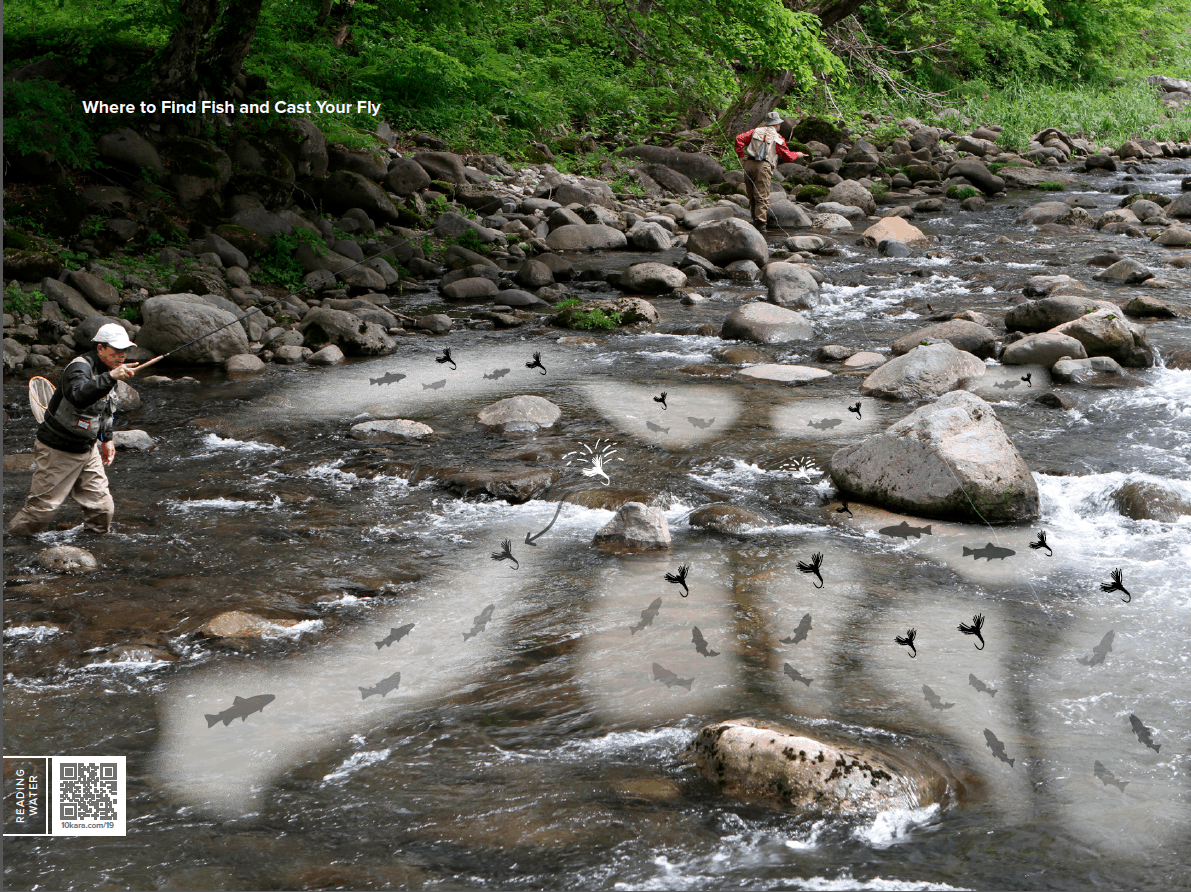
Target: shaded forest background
{"x":504,"y":76}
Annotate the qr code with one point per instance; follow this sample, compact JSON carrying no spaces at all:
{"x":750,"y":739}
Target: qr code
{"x":87,"y":791}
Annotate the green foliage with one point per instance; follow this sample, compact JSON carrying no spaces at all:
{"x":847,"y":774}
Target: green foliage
{"x":962,"y":193}
{"x":812,"y":192}
{"x":569,"y":315}
{"x":132,"y":314}
{"x":1051,"y":187}
{"x":470,"y":239}
{"x":878,"y":189}
{"x":41,"y":115}
{"x":17,"y":301}
{"x":279,"y":266}
{"x":72,"y":259}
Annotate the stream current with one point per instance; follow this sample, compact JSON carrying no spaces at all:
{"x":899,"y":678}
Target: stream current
{"x":541,"y":752}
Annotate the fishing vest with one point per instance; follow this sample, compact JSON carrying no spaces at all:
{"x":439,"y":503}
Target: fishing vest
{"x":83,"y":424}
{"x":763,"y":145}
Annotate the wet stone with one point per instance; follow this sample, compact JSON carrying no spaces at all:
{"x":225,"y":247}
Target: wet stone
{"x":67,"y":559}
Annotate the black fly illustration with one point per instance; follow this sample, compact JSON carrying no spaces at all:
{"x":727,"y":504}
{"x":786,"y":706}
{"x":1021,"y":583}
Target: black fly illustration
{"x":845,"y":510}
{"x":506,"y":554}
{"x":679,"y":578}
{"x":661,"y":399}
{"x":856,"y":409}
{"x":1117,"y":585}
{"x":974,"y":629}
{"x":814,"y":566}
{"x":537,"y":363}
{"x":908,"y":641}
{"x":1041,"y":543}
{"x":1026,"y":377}
{"x":446,"y":357}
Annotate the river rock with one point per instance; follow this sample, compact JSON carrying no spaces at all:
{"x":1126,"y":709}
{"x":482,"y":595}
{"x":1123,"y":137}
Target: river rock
{"x":1046,"y":313}
{"x":138,"y":441}
{"x":1174,"y":236}
{"x":978,"y":174}
{"x":472,"y":288}
{"x":1044,"y":348}
{"x":1044,"y":286}
{"x":67,"y":559}
{"x":1180,"y":207}
{"x":1148,"y":306}
{"x":635,"y":527}
{"x":99,"y":293}
{"x":646,"y":236}
{"x":787,"y":214}
{"x":520,"y":414}
{"x":70,"y":300}
{"x":765,"y":323}
{"x":1109,"y":333}
{"x":923,"y":372}
{"x":784,"y":374}
{"x":949,"y":459}
{"x":853,"y":194}
{"x":172,"y":320}
{"x":586,"y":237}
{"x":779,"y":765}
{"x":723,"y":241}
{"x":242,"y":624}
{"x":391,"y":430}
{"x":695,"y":218}
{"x":721,"y":518}
{"x":1125,"y":272}
{"x":831,"y":223}
{"x":963,"y":335}
{"x":696,"y":166}
{"x":355,"y":337}
{"x":228,"y":253}
{"x":1031,"y":177}
{"x":329,"y":355}
{"x":128,"y":149}
{"x":1147,"y":500}
{"x":243,"y":364}
{"x":790,"y":285}
{"x":406,"y":176}
{"x":1043,"y":212}
{"x":652,"y":278}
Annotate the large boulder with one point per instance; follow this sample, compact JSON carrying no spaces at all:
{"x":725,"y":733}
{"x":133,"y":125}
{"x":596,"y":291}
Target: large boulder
{"x":697,"y":217}
{"x":128,"y":149}
{"x":519,"y":414}
{"x":781,"y":766}
{"x":895,"y":229}
{"x":949,"y":459}
{"x":790,"y":285}
{"x":647,"y":236}
{"x":355,"y":337}
{"x":961,"y":334}
{"x":693,"y":165}
{"x":1031,"y":177}
{"x":67,"y":559}
{"x":765,"y":323}
{"x":978,"y":174}
{"x":652,"y":278}
{"x":345,"y":189}
{"x":636,"y":527}
{"x":97,"y":291}
{"x":1043,"y":348}
{"x":925,"y":372}
{"x":453,"y":225}
{"x":70,"y":300}
{"x":586,"y":237}
{"x":303,"y":143}
{"x":787,"y":214}
{"x":852,"y":194}
{"x":723,"y":241}
{"x":444,"y":166}
{"x":1109,"y":333}
{"x":1152,"y":500}
{"x":173,"y":320}
{"x":406,"y":176}
{"x":1045,"y":313}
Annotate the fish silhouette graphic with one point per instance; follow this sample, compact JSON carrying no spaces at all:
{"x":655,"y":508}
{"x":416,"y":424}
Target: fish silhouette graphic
{"x":480,"y":623}
{"x":1006,"y":385}
{"x":700,"y":423}
{"x":824,"y":424}
{"x":795,"y":675}
{"x":804,"y":629}
{"x":701,"y":643}
{"x":657,"y":428}
{"x":998,"y":748}
{"x":497,"y":374}
{"x":395,"y":635}
{"x":241,"y":708}
{"x":661,"y":673}
{"x":989,"y":552}
{"x":382,"y":687}
{"x":1144,"y":734}
{"x":647,"y":616}
{"x":935,"y":701}
{"x":387,"y":378}
{"x":437,"y":385}
{"x":1099,"y":652}
{"x":1107,"y":777}
{"x":980,"y":686}
{"x":904,"y":531}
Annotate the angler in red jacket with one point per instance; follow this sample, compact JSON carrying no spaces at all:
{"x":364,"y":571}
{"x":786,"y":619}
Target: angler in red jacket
{"x":759,"y":149}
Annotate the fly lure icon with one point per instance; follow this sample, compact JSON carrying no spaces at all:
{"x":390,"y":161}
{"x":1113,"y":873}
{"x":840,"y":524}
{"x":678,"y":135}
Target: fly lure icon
{"x":595,"y":458}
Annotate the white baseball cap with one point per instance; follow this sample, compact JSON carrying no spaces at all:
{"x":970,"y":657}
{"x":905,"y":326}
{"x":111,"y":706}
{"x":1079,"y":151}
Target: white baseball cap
{"x":113,"y":335}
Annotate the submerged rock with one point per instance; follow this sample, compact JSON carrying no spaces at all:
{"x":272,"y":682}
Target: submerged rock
{"x":923,"y":372}
{"x":722,"y":518}
{"x":950,"y":459}
{"x":1146,"y":500}
{"x":67,"y":559}
{"x":241,"y":624}
{"x":961,"y":334}
{"x":520,"y":414}
{"x":635,"y":527}
{"x":766,"y":324}
{"x":780,"y":765}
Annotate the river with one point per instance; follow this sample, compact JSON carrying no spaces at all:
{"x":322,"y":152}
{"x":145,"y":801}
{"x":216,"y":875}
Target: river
{"x":540,"y":752}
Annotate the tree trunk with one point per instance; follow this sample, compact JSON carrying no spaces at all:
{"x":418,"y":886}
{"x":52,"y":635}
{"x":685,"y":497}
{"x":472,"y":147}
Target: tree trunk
{"x":832,"y":12}
{"x":757,"y":98}
{"x":176,"y":70}
{"x":232,"y":41}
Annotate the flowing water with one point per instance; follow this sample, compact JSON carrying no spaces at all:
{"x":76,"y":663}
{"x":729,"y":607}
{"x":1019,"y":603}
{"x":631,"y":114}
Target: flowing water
{"x":540,"y":752}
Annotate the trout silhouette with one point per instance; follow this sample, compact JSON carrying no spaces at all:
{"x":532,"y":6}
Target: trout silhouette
{"x":701,"y":643}
{"x":904,"y":531}
{"x":497,"y":375}
{"x":387,"y":378}
{"x":382,"y":687}
{"x":1107,"y":777}
{"x":988,"y":552}
{"x":437,"y":385}
{"x":661,"y":673}
{"x":1143,"y":733}
{"x":795,"y":675}
{"x":980,"y":686}
{"x":700,"y":423}
{"x":657,"y":428}
{"x":647,"y":616}
{"x":935,"y":701}
{"x":804,"y":629}
{"x":395,"y":635}
{"x":825,"y":424}
{"x":998,"y":748}
{"x":1100,"y":651}
{"x":480,"y":623}
{"x":241,"y":709}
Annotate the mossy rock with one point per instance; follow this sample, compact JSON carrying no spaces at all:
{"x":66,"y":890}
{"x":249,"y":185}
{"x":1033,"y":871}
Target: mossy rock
{"x":14,"y":240}
{"x":246,"y":240}
{"x":821,"y":180}
{"x":196,"y":158}
{"x":728,"y":189}
{"x":59,"y":208}
{"x":447,"y":189}
{"x":273,"y":192}
{"x":1160,"y":200}
{"x":812,"y":193}
{"x":199,"y":283}
{"x":252,"y":154}
{"x":962,"y":193}
{"x":815,"y":129}
{"x":167,"y":228}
